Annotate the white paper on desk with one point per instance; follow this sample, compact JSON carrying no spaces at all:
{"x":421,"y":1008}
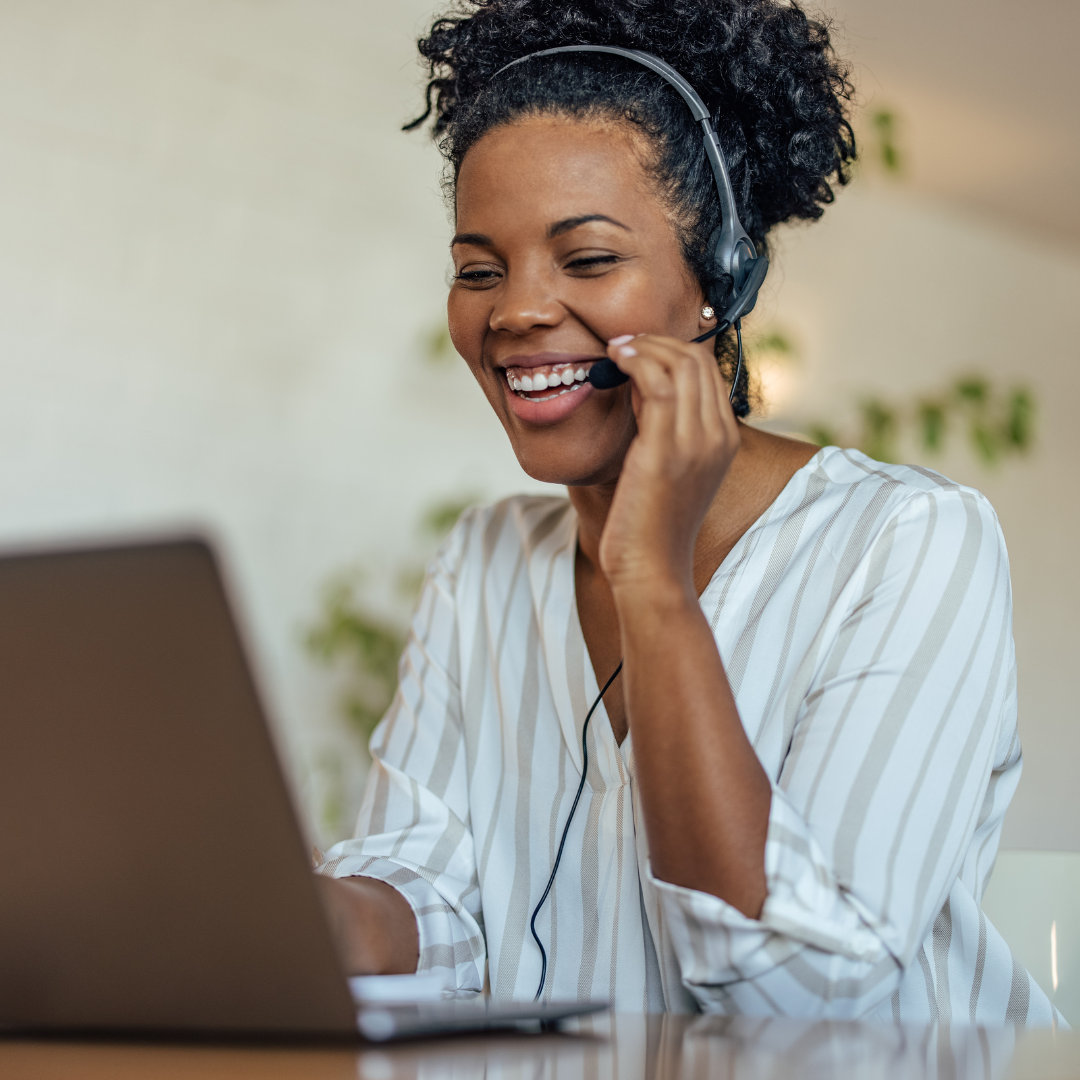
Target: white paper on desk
{"x":395,"y":989}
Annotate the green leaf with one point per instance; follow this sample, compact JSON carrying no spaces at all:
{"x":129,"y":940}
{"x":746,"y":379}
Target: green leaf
{"x":984,"y":443}
{"x":775,"y":341}
{"x":879,"y":430}
{"x":932,"y":423}
{"x":442,"y":517}
{"x":1020,"y":425}
{"x":973,"y":389}
{"x":886,"y":123}
{"x":821,"y":435}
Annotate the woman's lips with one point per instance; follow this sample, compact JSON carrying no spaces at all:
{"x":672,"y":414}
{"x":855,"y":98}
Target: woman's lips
{"x":546,"y":387}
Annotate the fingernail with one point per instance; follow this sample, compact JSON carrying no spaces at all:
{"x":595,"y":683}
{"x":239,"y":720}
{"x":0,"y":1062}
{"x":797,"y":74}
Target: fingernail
{"x":628,"y":350}
{"x":622,"y":339}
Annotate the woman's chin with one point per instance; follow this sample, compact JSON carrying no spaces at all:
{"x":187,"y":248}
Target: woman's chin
{"x":573,"y":443}
{"x":561,"y":465}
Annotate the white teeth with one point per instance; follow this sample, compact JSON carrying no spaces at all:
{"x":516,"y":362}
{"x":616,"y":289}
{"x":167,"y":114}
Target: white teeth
{"x":563,"y":379}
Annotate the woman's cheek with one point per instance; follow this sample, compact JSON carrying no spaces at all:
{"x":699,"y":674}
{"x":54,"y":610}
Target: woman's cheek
{"x":466,"y":328}
{"x":624,"y":305}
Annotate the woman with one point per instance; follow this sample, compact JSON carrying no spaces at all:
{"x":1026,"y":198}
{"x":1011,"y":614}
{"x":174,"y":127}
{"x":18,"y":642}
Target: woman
{"x":796,"y":782}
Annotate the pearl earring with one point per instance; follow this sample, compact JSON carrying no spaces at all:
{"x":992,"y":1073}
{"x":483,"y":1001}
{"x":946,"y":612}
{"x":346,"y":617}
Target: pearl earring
{"x":707,"y":312}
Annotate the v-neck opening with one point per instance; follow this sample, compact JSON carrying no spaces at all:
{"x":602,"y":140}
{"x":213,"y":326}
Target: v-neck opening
{"x":729,"y":561}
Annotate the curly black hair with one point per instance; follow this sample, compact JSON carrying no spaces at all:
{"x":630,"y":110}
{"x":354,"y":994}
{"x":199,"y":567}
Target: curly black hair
{"x":768,"y":74}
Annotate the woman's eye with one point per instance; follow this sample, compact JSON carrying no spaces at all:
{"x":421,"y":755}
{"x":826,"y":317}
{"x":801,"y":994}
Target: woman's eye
{"x":475,"y":277}
{"x":592,"y":262}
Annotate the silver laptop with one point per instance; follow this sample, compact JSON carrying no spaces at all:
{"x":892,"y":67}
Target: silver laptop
{"x":154,"y":877}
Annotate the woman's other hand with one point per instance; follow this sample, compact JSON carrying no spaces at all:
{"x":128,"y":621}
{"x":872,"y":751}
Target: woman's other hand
{"x":687,"y":438}
{"x":372,"y":925}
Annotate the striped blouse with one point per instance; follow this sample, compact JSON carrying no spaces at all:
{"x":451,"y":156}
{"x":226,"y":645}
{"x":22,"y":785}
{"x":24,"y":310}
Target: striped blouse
{"x":864,"y":622}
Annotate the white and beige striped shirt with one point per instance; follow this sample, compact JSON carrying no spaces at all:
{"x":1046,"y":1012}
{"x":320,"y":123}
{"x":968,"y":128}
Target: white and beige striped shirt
{"x":864,"y":622}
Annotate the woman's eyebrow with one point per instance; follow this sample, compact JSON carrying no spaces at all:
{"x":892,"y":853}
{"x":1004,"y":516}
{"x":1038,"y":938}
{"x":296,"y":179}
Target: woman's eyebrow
{"x":474,"y":238}
{"x":555,"y":229}
{"x":567,"y":224}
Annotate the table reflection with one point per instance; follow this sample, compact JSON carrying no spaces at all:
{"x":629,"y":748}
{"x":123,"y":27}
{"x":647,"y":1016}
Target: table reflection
{"x":622,"y":1047}
{"x":631,"y":1047}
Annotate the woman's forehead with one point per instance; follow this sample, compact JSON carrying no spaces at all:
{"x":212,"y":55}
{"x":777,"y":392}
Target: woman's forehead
{"x":550,"y":168}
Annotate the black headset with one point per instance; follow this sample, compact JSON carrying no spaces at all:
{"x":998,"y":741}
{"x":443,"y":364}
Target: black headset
{"x":733,"y":252}
{"x":734,"y":255}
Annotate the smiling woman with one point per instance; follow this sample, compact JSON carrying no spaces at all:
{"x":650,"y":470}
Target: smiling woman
{"x":793,"y":790}
{"x":552,"y":253}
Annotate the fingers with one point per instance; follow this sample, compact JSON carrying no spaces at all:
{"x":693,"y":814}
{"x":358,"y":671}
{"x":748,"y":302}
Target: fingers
{"x":686,"y":441}
{"x":680,"y":382}
{"x":641,"y":359}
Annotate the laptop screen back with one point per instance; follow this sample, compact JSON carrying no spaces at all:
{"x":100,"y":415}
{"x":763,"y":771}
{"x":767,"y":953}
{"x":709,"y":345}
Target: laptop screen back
{"x":152,"y":874}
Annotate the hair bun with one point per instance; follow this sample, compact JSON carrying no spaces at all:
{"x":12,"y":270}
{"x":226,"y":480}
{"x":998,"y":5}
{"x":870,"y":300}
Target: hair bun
{"x":766,"y":71}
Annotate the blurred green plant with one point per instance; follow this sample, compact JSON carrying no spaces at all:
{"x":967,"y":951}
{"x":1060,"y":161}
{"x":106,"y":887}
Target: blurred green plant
{"x":368,"y":647}
{"x":885,"y":124}
{"x":439,"y":519}
{"x":771,"y":341}
{"x":997,"y":424}
{"x":352,"y":635}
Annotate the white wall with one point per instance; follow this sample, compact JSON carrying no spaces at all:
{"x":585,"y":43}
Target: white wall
{"x":218,"y":257}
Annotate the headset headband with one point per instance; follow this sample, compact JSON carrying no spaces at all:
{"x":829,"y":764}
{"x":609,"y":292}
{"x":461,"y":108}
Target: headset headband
{"x":732,"y":249}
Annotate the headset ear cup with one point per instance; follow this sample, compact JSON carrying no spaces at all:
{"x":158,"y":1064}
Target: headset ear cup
{"x":721,"y":283}
{"x":745,"y":297}
{"x":750,"y":306}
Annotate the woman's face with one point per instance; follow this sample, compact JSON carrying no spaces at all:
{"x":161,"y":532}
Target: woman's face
{"x":562,"y":244}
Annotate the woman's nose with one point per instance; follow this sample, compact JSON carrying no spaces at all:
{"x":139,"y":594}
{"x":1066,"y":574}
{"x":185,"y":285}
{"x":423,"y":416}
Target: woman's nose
{"x":524,"y":305}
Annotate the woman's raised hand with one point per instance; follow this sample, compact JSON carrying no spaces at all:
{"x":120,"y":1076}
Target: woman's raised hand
{"x":687,"y":438}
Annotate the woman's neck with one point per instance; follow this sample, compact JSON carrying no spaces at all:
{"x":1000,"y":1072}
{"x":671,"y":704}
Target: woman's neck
{"x":592,"y":504}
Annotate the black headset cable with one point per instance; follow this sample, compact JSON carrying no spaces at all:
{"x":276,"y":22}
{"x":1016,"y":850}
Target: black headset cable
{"x":585,"y":729}
{"x":566,"y":829}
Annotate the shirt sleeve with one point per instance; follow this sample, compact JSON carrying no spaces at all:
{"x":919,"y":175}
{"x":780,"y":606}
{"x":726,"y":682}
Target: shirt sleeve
{"x":412,"y":831}
{"x":910,"y":710}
